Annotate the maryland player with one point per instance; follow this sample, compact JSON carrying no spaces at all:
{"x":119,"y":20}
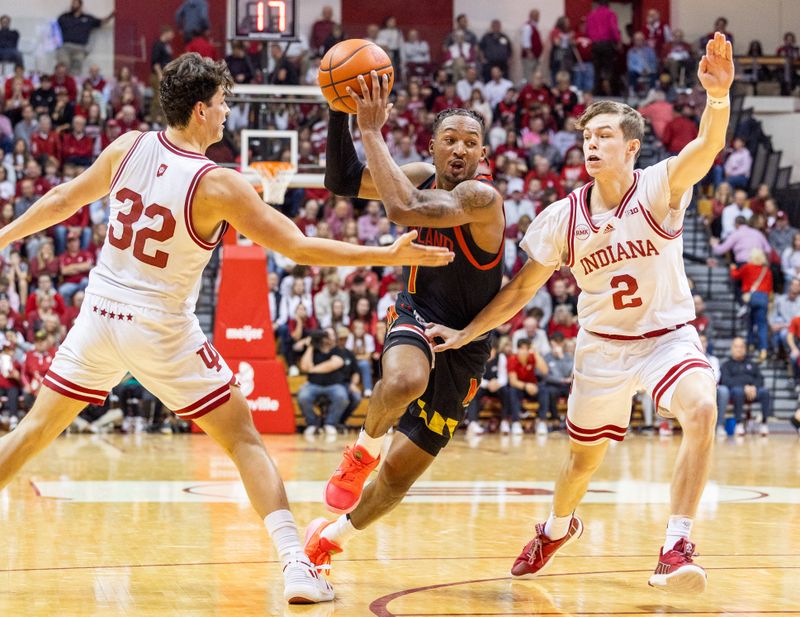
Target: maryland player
{"x":451,"y":205}
{"x":169,"y":208}
{"x":621,"y":236}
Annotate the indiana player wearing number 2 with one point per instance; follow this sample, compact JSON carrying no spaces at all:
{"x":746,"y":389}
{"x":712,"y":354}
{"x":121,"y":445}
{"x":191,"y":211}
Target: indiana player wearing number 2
{"x":621,"y":236}
{"x":169,"y":207}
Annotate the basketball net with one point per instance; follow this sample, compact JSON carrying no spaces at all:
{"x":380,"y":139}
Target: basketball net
{"x":275,"y":179}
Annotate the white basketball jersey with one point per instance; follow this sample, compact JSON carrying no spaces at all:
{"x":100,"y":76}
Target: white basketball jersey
{"x":628,"y":265}
{"x":152,"y":256}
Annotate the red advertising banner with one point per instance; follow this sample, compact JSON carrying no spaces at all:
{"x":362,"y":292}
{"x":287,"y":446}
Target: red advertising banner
{"x":242,"y":327}
{"x":243,"y":336}
{"x":263,"y":383}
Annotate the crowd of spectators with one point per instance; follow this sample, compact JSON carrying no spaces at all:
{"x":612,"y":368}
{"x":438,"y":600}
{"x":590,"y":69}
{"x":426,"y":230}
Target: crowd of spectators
{"x":53,"y":125}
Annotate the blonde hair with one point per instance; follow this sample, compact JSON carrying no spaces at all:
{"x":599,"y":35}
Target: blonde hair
{"x":631,"y":122}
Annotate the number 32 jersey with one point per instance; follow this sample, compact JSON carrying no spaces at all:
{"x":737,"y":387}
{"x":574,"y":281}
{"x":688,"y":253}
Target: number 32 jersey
{"x":628,"y":265}
{"x":152,"y":255}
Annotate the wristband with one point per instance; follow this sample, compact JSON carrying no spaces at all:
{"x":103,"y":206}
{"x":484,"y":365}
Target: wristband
{"x":718,"y":103}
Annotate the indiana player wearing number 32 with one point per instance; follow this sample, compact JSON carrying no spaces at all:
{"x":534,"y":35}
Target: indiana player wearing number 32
{"x":169,"y":207}
{"x":621,"y":236}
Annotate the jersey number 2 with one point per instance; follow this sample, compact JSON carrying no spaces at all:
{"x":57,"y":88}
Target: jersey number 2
{"x":127,"y":237}
{"x":626,"y":286}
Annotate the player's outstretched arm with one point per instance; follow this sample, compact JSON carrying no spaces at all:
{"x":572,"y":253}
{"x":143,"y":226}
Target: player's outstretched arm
{"x":224,"y":195}
{"x":469,"y":202}
{"x":715,"y":73}
{"x":507,"y":303}
{"x":64,"y":200}
{"x":345,"y":174}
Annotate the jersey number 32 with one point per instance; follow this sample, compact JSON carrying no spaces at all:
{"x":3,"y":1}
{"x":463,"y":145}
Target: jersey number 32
{"x":123,"y":237}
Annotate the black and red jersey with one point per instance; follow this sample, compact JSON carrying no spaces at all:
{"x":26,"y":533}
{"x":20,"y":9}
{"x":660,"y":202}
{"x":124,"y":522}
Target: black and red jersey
{"x":454,"y":294}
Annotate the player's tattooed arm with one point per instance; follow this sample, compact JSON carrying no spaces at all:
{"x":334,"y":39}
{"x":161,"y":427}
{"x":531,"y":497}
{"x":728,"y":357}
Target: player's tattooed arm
{"x":471,"y":201}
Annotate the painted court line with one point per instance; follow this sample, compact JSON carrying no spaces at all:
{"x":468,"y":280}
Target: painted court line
{"x":184,"y":491}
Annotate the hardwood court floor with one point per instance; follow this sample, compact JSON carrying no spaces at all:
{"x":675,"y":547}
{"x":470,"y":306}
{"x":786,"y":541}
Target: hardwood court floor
{"x":150,"y":525}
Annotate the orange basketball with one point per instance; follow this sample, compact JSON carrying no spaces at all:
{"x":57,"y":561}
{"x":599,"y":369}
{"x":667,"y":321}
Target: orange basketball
{"x":342,"y":65}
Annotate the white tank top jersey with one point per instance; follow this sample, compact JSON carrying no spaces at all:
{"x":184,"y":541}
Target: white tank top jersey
{"x":152,"y":256}
{"x":628,"y":265}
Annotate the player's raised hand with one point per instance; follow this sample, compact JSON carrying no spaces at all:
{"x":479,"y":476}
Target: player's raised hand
{"x":372,"y":103}
{"x":452,"y":339}
{"x":715,"y":71}
{"x":405,"y":252}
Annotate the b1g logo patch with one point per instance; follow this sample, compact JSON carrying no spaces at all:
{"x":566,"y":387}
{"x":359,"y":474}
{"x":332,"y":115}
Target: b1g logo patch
{"x":582,"y":232}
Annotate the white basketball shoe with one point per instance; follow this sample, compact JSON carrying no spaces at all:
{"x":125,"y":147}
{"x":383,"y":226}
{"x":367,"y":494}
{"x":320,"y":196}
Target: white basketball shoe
{"x":303,"y":584}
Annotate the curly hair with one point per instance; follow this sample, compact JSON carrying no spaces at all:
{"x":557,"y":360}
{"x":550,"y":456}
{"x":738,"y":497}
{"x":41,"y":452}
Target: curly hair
{"x":188,"y":79}
{"x":458,"y":111}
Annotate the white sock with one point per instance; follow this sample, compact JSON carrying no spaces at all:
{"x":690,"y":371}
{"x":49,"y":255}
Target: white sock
{"x":283,"y":531}
{"x":372,"y":445}
{"x":678,"y":527}
{"x":340,"y":530}
{"x":557,"y":527}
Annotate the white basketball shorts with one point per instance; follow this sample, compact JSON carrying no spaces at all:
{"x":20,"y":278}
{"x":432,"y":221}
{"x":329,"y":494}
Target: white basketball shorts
{"x":609,"y":372}
{"x":166,"y":352}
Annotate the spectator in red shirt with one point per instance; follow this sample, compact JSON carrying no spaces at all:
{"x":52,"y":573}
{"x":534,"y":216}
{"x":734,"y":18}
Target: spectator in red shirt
{"x":111,"y":131}
{"x":447,"y":100}
{"x":659,"y":112}
{"x":535,"y":92}
{"x":511,"y":149}
{"x":78,"y":146}
{"x":45,"y":288}
{"x":680,"y":131}
{"x":45,"y":141}
{"x":701,"y":322}
{"x":756,"y":279}
{"x":126,"y":118}
{"x":14,"y":319}
{"x":62,"y":80}
{"x":96,"y":79}
{"x":321,"y":30}
{"x":523,"y":385}
{"x":201,"y":45}
{"x":74,"y":267}
{"x":18,"y":78}
{"x":44,"y":262}
{"x":547,"y":177}
{"x":36,"y":319}
{"x":77,"y":223}
{"x":563,"y":322}
{"x":33,"y":173}
{"x":574,"y":173}
{"x":71,"y":312}
{"x":37,"y":363}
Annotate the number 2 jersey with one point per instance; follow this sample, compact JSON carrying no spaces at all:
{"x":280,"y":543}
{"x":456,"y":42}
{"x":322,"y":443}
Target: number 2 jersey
{"x":454,"y":294}
{"x":628,"y":265}
{"x":152,"y":255}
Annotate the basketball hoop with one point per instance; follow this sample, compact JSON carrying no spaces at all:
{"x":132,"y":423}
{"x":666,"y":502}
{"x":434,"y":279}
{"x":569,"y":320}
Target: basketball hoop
{"x":275,"y":179}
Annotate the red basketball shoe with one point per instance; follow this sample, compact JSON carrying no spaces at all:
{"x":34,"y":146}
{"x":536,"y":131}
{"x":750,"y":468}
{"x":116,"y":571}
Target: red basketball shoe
{"x":677,"y":572}
{"x":343,"y":491}
{"x":539,"y":552}
{"x":318,"y":549}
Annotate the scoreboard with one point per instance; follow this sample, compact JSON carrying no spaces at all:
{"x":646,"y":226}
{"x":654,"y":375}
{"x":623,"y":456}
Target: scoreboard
{"x":262,"y":20}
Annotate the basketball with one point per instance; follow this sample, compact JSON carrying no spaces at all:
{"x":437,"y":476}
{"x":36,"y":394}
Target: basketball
{"x":342,"y":65}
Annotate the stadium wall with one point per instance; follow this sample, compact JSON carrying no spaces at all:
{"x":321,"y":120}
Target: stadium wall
{"x":33,"y":17}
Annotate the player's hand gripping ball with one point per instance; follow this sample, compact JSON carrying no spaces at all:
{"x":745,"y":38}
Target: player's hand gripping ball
{"x":341,"y":67}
